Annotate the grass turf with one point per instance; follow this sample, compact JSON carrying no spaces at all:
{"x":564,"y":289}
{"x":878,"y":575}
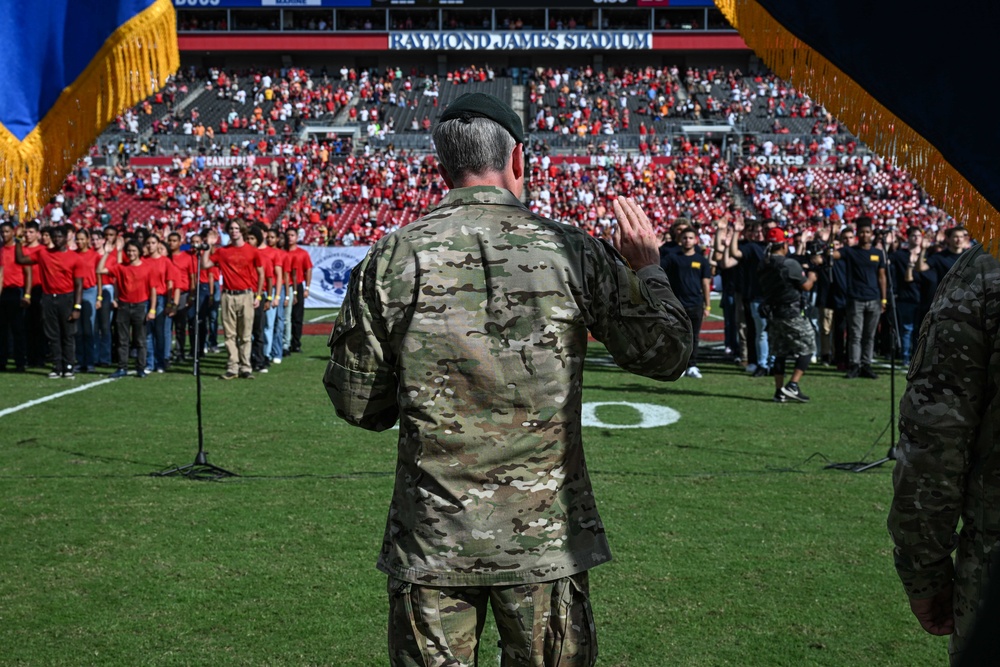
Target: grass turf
{"x":732,"y":546}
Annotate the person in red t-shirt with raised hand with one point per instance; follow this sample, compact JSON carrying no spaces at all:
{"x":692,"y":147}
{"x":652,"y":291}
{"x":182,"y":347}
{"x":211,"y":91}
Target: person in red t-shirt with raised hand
{"x":302,"y":268}
{"x":274,"y":326}
{"x":133,"y":295}
{"x":61,"y":273}
{"x":163,"y":275}
{"x":15,"y":290}
{"x":37,"y":348}
{"x":86,"y":341}
{"x":186,"y":281}
{"x":242,"y":292}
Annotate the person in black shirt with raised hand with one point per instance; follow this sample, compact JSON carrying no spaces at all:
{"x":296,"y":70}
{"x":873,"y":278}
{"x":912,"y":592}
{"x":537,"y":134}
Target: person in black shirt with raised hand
{"x":866,"y":297}
{"x":938,"y":264}
{"x":904,"y":264}
{"x":690,"y":276}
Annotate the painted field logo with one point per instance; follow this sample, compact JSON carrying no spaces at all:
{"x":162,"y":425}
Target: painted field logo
{"x":650,"y":416}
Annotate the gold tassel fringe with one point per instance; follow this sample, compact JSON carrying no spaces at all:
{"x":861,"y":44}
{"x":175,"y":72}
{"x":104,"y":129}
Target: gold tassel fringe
{"x":134,"y":62}
{"x":793,"y":60}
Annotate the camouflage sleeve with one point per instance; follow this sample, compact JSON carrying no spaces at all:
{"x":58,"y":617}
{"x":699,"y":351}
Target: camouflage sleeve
{"x":637,"y":317}
{"x":940,"y":414}
{"x":359,"y":377}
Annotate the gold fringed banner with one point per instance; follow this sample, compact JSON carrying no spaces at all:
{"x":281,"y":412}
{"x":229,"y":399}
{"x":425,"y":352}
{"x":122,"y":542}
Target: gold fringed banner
{"x":134,"y":62}
{"x":791,"y":59}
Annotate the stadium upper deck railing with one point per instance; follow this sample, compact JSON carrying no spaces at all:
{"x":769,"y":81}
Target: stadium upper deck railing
{"x":421,"y":142}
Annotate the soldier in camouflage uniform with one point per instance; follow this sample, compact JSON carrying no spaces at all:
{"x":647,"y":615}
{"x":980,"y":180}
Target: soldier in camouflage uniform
{"x":947,"y":459}
{"x":789,"y":332}
{"x":470,"y":326}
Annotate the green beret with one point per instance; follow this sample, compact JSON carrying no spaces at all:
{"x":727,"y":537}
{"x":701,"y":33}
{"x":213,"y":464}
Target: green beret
{"x":484,"y":105}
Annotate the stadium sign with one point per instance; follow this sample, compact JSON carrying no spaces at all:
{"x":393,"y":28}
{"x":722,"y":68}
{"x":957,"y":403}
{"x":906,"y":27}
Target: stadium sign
{"x":803,"y":160}
{"x":211,"y":161}
{"x":542,"y":40}
{"x":257,"y":4}
{"x":789,"y":160}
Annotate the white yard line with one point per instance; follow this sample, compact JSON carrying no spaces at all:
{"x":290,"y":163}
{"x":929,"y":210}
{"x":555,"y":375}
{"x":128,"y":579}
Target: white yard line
{"x":322,"y":317}
{"x":39,"y":401}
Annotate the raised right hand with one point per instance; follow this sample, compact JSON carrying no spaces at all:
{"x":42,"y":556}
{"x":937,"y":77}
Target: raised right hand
{"x":634,"y":236}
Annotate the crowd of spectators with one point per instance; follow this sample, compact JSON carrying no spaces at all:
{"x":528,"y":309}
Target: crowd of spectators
{"x":854,"y":186}
{"x":276,"y":103}
{"x":342,"y":197}
{"x":358,"y":200}
{"x":186,"y":194}
{"x":586,"y":101}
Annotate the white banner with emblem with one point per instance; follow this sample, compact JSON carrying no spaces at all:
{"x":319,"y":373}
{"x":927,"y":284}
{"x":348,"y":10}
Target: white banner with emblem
{"x":331,"y":270}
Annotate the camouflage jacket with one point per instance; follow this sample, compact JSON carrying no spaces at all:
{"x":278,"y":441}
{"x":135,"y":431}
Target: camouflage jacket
{"x":470,"y":325}
{"x":948,"y":466}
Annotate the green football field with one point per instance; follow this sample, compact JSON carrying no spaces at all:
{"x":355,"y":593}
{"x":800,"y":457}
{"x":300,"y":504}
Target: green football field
{"x":733,"y":544}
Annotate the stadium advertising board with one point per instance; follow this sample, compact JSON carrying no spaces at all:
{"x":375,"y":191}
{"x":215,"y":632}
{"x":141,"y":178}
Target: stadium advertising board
{"x":211,"y":161}
{"x":444,"y":4}
{"x":542,"y":40}
{"x":535,"y":4}
{"x":258,"y":4}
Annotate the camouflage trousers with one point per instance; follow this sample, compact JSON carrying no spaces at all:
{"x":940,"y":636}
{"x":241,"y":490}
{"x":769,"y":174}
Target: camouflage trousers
{"x":547,"y":624}
{"x":790,"y":337}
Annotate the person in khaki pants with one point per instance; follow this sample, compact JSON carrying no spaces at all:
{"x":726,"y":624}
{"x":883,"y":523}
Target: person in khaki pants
{"x":242,"y":286}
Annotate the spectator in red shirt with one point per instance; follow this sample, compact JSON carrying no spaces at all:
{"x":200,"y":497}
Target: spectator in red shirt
{"x":86,"y":341}
{"x":61,"y":273}
{"x":301,"y":270}
{"x":243,"y":285}
{"x":134,"y":294}
{"x":16,"y":284}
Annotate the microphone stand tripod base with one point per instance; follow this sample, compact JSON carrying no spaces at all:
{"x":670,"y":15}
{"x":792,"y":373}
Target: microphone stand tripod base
{"x":201,"y":469}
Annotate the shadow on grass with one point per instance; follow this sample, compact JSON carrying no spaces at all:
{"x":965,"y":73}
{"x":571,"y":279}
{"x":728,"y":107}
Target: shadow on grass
{"x":672,"y":390}
{"x":83,"y":455}
{"x":767,"y":470}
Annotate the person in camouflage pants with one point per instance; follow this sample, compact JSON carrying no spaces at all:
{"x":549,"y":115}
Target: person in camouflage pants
{"x":790,"y":335}
{"x":470,"y":326}
{"x":947,"y":459}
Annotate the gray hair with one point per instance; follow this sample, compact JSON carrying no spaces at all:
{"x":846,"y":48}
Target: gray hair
{"x":477,"y":146}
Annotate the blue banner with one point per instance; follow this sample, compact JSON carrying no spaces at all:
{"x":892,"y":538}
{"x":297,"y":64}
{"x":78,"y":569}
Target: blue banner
{"x":70,"y":66}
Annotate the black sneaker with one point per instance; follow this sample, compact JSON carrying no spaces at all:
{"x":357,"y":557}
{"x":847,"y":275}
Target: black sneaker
{"x":852,"y":372}
{"x":761,"y":371}
{"x":792,"y":391}
{"x":780,"y":397}
{"x":867,"y":372}
{"x":246,"y":375}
